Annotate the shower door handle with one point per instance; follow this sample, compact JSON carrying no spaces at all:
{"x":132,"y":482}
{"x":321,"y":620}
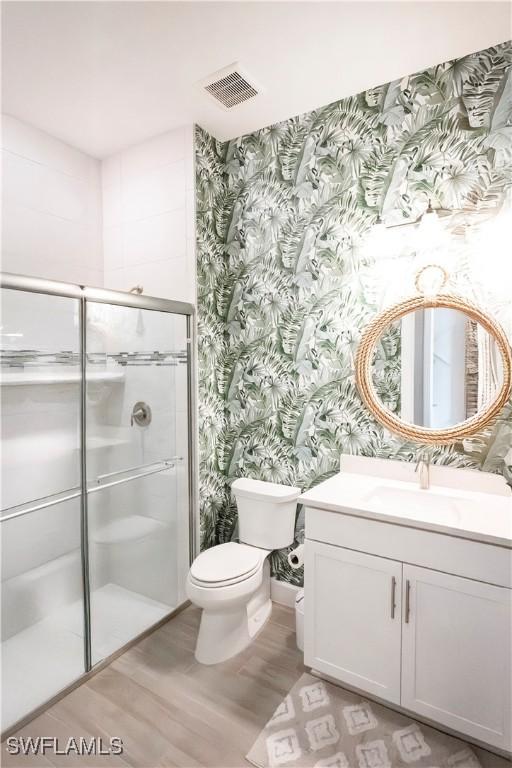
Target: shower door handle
{"x":145,"y":470}
{"x":171,"y":461}
{"x":47,"y":501}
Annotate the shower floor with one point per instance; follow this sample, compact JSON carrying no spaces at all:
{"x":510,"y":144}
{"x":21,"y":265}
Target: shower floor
{"x":44,"y":658}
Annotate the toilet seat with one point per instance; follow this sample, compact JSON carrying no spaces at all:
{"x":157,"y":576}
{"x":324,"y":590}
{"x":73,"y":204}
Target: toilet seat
{"x":226,"y":564}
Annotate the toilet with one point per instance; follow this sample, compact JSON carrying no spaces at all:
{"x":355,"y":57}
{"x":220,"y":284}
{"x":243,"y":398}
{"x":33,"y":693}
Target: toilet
{"x":231,"y":582}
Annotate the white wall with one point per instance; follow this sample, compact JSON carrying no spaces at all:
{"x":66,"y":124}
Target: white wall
{"x":120,"y":222}
{"x":51,"y":207}
{"x":149,"y":217}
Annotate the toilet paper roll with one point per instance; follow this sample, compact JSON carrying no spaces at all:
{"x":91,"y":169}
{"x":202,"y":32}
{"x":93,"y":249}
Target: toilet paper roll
{"x":296,"y":557}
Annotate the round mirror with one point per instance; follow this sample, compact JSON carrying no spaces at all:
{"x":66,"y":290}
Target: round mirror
{"x":434,"y":370}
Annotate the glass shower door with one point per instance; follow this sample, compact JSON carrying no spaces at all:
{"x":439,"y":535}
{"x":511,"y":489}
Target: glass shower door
{"x":42,"y":595}
{"x":137,"y":480}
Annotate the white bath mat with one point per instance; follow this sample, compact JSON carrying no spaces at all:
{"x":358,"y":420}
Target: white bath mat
{"x":319,"y":725}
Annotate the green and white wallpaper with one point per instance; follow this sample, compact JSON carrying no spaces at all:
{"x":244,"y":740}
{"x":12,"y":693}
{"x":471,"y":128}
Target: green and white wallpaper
{"x":288,"y":278}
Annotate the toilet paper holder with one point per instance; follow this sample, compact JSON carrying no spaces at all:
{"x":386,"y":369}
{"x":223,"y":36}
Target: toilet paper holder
{"x":296,"y":557}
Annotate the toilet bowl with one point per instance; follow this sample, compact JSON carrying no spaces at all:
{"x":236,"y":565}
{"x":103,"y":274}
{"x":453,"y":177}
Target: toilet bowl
{"x":231,"y":582}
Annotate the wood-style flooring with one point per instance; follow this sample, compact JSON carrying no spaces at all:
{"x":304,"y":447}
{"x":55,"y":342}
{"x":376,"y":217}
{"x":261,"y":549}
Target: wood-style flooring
{"x":170,"y":711}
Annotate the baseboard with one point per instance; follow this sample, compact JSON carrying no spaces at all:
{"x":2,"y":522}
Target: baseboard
{"x":283,"y":593}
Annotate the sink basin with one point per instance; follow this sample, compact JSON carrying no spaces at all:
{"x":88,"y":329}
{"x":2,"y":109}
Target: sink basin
{"x":386,"y":497}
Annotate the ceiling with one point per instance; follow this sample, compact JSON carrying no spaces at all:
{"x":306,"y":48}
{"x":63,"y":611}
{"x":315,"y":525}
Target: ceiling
{"x":104,"y":75}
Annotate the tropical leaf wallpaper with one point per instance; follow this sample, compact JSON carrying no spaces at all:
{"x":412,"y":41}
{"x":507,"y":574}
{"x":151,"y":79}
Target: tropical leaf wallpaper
{"x":288,"y":279}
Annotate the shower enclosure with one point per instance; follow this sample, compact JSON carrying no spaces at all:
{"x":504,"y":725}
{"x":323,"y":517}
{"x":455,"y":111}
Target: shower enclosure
{"x":97,"y":491}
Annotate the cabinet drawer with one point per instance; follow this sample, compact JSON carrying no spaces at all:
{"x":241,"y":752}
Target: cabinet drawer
{"x":441,"y":552}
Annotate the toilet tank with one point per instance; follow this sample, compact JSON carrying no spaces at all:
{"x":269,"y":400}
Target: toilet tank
{"x":266,"y":512}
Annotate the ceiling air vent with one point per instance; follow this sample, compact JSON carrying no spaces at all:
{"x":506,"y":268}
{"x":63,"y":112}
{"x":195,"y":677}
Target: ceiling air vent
{"x":230,"y":86}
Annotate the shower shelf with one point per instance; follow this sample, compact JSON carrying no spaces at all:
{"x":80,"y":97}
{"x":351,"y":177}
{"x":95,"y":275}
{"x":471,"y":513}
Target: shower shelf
{"x":72,"y":377}
{"x":96,"y":443}
{"x":129,"y":528}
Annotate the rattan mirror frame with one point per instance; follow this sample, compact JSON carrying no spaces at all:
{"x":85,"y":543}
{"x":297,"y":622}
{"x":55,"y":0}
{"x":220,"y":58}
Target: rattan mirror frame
{"x":364,"y":382}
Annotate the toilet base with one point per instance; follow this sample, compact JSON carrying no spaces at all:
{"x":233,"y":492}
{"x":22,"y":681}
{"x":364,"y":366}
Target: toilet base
{"x":224,"y":633}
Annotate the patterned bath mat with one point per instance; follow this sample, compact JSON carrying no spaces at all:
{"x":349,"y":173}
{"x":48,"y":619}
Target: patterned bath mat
{"x":319,"y":725}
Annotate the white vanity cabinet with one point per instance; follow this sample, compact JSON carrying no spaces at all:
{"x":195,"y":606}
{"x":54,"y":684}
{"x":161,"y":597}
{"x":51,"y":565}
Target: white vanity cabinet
{"x":384,"y":614}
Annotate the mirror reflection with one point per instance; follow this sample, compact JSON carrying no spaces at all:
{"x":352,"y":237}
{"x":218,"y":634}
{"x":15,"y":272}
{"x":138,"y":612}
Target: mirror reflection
{"x":436,"y":367}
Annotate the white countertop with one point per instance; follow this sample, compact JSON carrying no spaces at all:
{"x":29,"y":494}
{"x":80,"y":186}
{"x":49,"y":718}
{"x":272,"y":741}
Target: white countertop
{"x":470,"y":514}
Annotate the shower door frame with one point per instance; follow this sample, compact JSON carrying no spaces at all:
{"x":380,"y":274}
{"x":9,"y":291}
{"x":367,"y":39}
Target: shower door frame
{"x":85,"y":294}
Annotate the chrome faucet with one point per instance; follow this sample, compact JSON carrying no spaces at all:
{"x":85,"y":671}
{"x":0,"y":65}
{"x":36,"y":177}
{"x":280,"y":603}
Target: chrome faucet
{"x":423,"y":467}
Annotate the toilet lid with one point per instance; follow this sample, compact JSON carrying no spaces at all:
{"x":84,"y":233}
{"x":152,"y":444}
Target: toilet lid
{"x":226,"y":562}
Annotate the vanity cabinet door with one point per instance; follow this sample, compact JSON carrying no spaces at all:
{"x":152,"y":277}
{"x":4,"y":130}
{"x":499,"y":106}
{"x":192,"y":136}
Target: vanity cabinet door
{"x":456,"y":653}
{"x":353,"y":613}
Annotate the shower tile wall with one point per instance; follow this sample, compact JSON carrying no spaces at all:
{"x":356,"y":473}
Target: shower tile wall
{"x":120,"y":222}
{"x":40,"y":425}
{"x":148,"y":217}
{"x":65,"y":219}
{"x":149,"y":240}
{"x":51,"y":207}
{"x":138,"y":530}
{"x":41,"y":564}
